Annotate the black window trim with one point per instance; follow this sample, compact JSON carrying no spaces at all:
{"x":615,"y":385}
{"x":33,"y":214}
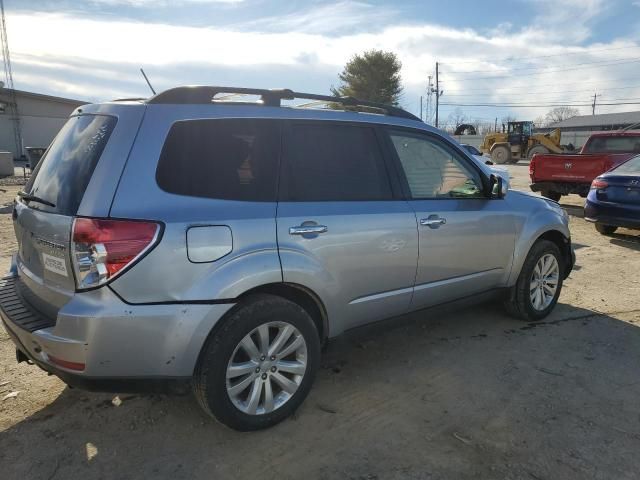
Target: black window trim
{"x":395,"y":184}
{"x":460,"y":152}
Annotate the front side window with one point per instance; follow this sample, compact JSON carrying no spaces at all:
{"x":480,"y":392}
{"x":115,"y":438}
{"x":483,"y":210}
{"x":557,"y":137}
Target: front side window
{"x":331,"y":162}
{"x":229,"y":159}
{"x":433,"y":170}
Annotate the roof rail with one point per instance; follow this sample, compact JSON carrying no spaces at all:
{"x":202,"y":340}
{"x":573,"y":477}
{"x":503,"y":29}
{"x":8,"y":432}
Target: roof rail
{"x":631,"y":127}
{"x":269,"y":98}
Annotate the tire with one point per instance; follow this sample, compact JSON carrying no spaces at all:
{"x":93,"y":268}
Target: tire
{"x":605,"y":229}
{"x":501,"y":154}
{"x":520,"y":303}
{"x":550,"y":194}
{"x":536,"y":149}
{"x":230,"y":402}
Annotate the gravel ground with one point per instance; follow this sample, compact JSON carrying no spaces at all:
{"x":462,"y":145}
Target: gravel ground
{"x":461,"y":394}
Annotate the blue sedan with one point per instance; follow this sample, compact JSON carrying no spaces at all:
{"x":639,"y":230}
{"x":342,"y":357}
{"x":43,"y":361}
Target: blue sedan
{"x":614,"y":198}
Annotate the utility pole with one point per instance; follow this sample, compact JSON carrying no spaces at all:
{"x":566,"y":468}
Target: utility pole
{"x":427,"y":115}
{"x":495,"y":126}
{"x":593,"y":105}
{"x":8,"y":75}
{"x":437,"y":94}
{"x":421,"y":107}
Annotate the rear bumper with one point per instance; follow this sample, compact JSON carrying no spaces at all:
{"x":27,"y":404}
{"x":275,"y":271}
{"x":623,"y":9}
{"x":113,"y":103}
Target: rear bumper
{"x":612,"y":215}
{"x":111,"y":345}
{"x":564,"y":188}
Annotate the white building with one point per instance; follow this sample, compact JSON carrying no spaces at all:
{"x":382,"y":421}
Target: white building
{"x":41,"y":116}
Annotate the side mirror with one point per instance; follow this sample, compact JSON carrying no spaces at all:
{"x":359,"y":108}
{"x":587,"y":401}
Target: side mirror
{"x":499,"y":186}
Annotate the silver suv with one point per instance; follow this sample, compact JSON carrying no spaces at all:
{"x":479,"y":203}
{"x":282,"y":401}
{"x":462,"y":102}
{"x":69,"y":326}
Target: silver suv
{"x":189,"y":239}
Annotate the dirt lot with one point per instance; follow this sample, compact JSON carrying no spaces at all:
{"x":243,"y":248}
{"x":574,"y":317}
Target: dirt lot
{"x":465,"y":394}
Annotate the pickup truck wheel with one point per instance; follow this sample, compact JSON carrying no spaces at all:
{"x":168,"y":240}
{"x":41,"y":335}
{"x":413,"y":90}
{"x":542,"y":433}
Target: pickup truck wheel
{"x":538,"y":287}
{"x":258,"y":368}
{"x":551,"y":195}
{"x":605,"y":229}
{"x":501,"y":154}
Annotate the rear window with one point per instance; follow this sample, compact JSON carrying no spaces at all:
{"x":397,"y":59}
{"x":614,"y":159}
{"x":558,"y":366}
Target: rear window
{"x":331,"y":162}
{"x":230,"y":159}
{"x":62,"y":176}
{"x":630,"y":167}
{"x":614,"y":145}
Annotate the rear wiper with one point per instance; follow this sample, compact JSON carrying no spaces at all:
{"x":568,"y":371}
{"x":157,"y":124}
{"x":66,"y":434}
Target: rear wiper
{"x":32,"y":198}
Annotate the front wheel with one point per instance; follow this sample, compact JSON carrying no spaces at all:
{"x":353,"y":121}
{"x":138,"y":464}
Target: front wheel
{"x":538,"y":287}
{"x":258,"y":368}
{"x":605,"y":229}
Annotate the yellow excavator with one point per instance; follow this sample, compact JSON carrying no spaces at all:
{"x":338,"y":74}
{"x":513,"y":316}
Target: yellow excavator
{"x":519,"y":142}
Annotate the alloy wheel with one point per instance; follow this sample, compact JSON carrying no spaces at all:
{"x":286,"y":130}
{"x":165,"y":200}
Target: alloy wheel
{"x":266,"y":368}
{"x":544,"y":282}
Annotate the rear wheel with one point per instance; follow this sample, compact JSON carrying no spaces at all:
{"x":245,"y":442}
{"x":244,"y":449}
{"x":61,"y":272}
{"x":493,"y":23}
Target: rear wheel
{"x":501,"y":154}
{"x":538,"y":287}
{"x":258,"y":368}
{"x":536,"y":149}
{"x":550,"y":194}
{"x":605,"y":229}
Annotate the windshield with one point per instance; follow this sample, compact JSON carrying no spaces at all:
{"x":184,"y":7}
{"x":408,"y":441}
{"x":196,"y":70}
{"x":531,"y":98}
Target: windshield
{"x":63,"y":174}
{"x":614,"y":145}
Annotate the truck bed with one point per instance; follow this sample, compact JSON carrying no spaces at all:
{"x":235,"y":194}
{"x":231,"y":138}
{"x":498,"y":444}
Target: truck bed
{"x":573,"y":168}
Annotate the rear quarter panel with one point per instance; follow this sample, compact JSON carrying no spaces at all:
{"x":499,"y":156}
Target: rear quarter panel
{"x":166,"y":274}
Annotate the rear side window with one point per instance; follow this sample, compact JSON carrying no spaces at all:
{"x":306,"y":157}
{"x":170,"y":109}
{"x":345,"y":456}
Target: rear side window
{"x":331,"y":162}
{"x":62,"y":176}
{"x":629,"y":144}
{"x":230,"y":159}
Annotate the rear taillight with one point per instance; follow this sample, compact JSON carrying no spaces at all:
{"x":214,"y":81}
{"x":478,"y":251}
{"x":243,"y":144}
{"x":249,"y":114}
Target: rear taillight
{"x":599,"y":184}
{"x":103,"y":248}
{"x":532,"y":168}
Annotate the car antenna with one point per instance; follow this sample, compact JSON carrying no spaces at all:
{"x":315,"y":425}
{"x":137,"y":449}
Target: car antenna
{"x":147,"y":80}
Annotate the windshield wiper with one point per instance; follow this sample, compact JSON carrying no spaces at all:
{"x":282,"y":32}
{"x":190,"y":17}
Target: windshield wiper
{"x":32,"y":198}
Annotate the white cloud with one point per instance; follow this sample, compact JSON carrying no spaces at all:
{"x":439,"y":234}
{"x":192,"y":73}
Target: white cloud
{"x":157,"y":3}
{"x":99,"y":58}
{"x":325,"y":18}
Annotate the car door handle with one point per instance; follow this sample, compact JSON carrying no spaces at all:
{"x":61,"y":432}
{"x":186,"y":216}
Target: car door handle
{"x":307,"y":229}
{"x":434,"y":221}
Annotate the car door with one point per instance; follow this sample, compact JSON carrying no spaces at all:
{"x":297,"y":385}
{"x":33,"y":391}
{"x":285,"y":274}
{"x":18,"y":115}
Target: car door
{"x":343,"y":230}
{"x":466,"y":239}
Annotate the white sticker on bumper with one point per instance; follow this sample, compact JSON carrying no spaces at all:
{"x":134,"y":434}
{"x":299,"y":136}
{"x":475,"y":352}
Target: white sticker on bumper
{"x":54,"y":264}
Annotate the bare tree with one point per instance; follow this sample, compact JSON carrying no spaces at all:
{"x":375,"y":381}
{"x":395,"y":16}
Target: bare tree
{"x":559,"y":114}
{"x":540,"y":122}
{"x":455,"y":118}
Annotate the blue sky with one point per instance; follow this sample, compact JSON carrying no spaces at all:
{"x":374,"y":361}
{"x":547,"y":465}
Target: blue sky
{"x":523,"y":51}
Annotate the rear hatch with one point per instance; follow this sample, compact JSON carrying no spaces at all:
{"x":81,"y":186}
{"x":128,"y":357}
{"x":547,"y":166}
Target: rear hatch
{"x":45,"y":211}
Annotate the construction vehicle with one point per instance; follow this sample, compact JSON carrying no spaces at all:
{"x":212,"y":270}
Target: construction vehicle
{"x":519,"y":142}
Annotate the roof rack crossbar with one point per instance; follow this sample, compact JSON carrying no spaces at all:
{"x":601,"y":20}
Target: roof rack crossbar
{"x":269,"y":98}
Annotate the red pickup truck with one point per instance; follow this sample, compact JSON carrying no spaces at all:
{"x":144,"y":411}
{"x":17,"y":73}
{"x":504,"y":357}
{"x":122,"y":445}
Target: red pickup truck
{"x":555,"y":175}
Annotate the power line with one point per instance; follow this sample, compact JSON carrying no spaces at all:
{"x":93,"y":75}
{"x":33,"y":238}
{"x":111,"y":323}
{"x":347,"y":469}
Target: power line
{"x":598,"y":82}
{"x":530,"y":93}
{"x":520,"y":105}
{"x":620,"y":60}
{"x":508,"y":59}
{"x":612,"y":64}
